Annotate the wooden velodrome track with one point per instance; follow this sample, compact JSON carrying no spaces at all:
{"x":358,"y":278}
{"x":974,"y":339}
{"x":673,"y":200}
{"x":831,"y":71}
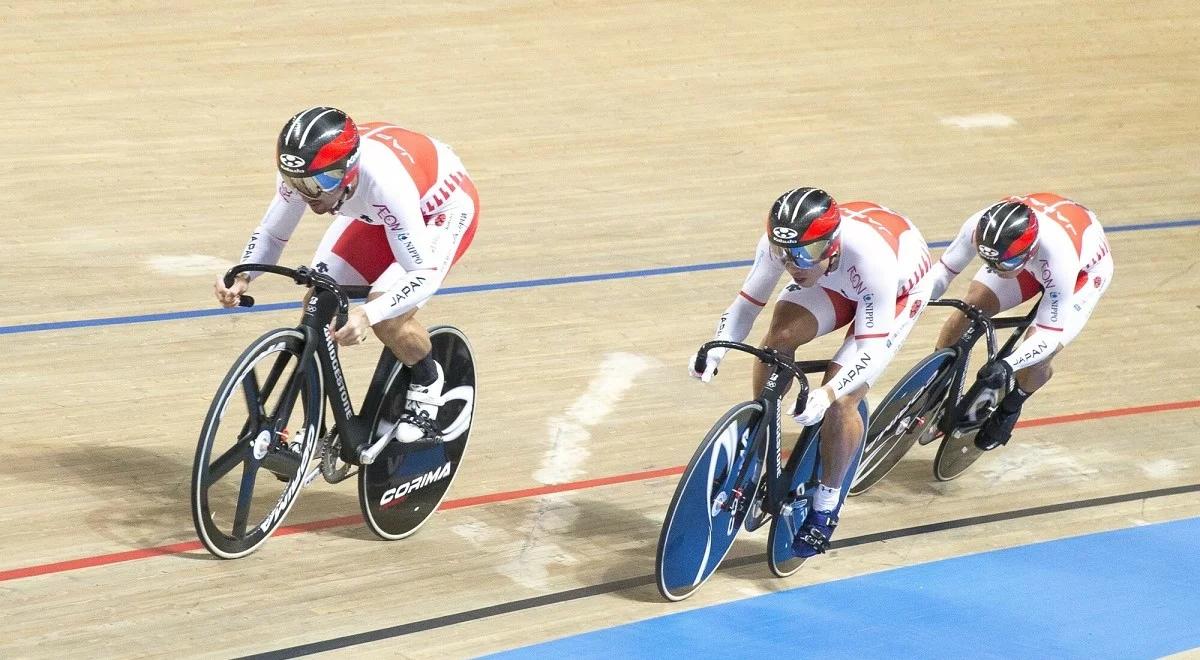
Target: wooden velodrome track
{"x":604,"y":139}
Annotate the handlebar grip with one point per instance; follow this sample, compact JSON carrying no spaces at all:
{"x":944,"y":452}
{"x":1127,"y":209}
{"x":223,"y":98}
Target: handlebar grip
{"x":701,"y":359}
{"x":246,"y":301}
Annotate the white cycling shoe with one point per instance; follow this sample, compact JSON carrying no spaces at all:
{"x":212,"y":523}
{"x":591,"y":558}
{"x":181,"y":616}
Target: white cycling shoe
{"x":419,"y":422}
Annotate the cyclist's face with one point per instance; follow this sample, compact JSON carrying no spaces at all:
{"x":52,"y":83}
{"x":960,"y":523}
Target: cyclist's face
{"x":325,"y":202}
{"x":807,"y":277}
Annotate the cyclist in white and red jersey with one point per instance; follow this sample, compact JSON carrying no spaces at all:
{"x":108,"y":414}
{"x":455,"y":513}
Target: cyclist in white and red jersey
{"x":1029,"y":244}
{"x":405,"y":211}
{"x":857,"y":264}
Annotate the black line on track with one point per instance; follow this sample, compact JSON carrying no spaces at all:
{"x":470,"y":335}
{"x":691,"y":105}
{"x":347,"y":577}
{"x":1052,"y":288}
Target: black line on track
{"x":745,"y":560}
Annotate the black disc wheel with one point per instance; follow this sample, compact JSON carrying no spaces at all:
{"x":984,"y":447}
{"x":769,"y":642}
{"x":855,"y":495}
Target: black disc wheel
{"x":407,"y":482}
{"x":958,"y":451}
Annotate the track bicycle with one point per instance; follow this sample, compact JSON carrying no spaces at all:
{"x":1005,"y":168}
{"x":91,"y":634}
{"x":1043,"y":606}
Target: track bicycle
{"x":737,"y":479}
{"x":929,"y":402}
{"x":258,"y":448}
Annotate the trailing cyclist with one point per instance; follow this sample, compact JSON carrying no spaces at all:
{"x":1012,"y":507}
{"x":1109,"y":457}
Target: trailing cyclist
{"x":1029,"y":244}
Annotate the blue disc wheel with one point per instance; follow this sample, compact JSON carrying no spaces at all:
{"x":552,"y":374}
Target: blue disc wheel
{"x":907,"y":414}
{"x":710,"y":503}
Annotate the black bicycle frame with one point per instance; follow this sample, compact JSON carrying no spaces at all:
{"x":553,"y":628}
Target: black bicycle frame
{"x":767,"y":434}
{"x":977,"y":321}
{"x":327,"y":301}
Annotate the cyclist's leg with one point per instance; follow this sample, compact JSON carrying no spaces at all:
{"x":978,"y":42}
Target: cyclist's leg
{"x":352,"y":252}
{"x":801,"y":315}
{"x":842,"y":428}
{"x":408,"y":338}
{"x":1090,"y":287}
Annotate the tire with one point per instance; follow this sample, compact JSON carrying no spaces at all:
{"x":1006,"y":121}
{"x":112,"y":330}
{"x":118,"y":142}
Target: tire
{"x":274,"y":448}
{"x":705,"y":513}
{"x":901,"y":419}
{"x":407,"y":482}
{"x":803,"y":475}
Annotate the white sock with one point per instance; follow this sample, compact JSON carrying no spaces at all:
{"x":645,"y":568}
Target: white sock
{"x":826,"y":498}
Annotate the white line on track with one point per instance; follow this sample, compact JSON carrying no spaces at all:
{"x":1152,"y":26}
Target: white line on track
{"x":983,"y":120}
{"x":556,"y":515}
{"x":569,"y":433}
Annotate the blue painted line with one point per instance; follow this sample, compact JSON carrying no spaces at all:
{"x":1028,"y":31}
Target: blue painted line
{"x":1128,"y":593}
{"x":473,"y":288}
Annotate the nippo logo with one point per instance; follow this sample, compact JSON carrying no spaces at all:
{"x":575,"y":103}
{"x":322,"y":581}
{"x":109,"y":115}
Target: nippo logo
{"x":785,"y":233}
{"x":291,"y":162}
{"x":987,"y":252}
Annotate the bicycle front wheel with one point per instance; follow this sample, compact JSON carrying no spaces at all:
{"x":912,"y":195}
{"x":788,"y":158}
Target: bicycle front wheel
{"x":255,"y":447}
{"x":710,"y":503}
{"x":902,"y":418}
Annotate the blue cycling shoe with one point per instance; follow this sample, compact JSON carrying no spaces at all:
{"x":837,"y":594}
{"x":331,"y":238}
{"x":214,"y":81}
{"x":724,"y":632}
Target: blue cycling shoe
{"x":813,"y":536}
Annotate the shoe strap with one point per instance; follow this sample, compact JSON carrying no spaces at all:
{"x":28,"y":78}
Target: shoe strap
{"x":425,"y":397}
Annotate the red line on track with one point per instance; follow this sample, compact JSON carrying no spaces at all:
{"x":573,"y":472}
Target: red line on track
{"x":507,"y":496}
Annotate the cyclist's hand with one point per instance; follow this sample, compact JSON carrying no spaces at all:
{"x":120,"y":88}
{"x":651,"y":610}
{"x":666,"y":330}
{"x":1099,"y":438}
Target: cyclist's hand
{"x":996,"y":374}
{"x":355,"y":330}
{"x":710,"y":365}
{"x":231,"y":296}
{"x":814,"y":409}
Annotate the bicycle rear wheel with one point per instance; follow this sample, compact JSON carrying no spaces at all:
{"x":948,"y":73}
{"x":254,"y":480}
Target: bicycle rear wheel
{"x":253,"y":423}
{"x":958,"y":451}
{"x":803,"y":472}
{"x":902,"y":418}
{"x":709,"y":504}
{"x":407,"y":482}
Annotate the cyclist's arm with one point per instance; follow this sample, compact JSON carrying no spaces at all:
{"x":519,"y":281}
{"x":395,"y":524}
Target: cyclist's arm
{"x":399,"y":209}
{"x":735,"y":323}
{"x":874,"y":317}
{"x":955,"y":259}
{"x":1057,"y":277}
{"x":278,"y":223}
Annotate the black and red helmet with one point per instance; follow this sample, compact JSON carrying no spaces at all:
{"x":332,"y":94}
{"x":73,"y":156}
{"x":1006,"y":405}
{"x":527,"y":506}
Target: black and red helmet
{"x":317,"y":151}
{"x":805,"y":225}
{"x":1007,"y":235}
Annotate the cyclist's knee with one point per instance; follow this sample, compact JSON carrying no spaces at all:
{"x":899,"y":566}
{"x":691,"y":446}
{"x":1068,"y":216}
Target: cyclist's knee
{"x":847,"y":405}
{"x":1032,"y":378}
{"x":982,"y":297}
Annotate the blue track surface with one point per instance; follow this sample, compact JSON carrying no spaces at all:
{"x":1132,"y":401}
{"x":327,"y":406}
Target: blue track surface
{"x":1131,"y":593}
{"x":474,"y":288}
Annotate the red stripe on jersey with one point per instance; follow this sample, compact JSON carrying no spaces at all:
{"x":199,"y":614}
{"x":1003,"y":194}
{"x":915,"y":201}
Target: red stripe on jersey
{"x":843,"y":308}
{"x":747,"y":297}
{"x":1029,"y":285}
{"x":1048,"y":327}
{"x":870,"y":336}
